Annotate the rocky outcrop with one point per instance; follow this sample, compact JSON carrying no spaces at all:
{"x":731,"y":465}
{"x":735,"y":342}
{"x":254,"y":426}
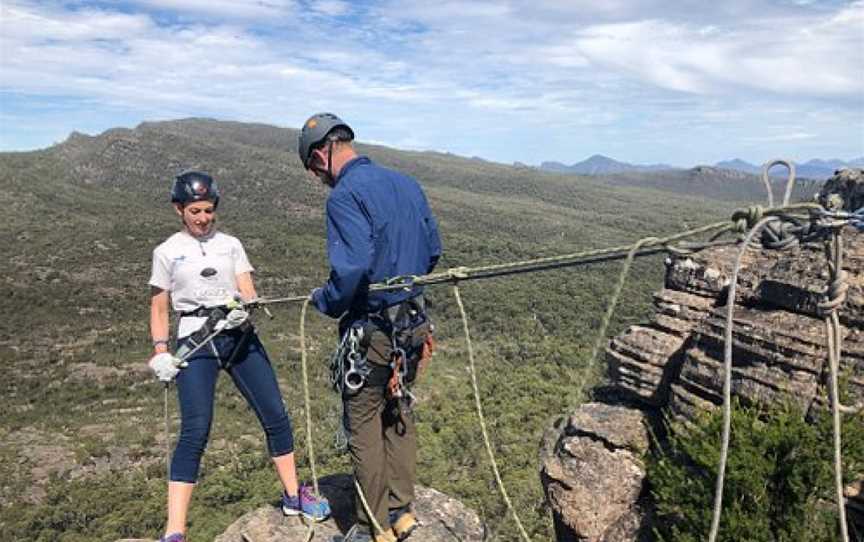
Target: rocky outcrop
{"x":592,"y":473}
{"x":442,"y":518}
{"x":672,"y":367}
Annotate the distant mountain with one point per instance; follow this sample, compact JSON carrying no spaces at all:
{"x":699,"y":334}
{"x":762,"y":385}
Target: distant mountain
{"x":812,"y":169}
{"x":600,"y":165}
{"x":737,"y":164}
{"x":713,"y":182}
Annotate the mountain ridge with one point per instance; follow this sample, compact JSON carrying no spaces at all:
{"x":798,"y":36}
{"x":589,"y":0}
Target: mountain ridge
{"x":599,"y":164}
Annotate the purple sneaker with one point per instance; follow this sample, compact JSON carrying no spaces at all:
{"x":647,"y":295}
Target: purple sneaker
{"x":306,"y":504}
{"x":173,"y":537}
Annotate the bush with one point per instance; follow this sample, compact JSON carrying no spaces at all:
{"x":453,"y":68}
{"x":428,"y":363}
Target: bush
{"x":779,"y":477}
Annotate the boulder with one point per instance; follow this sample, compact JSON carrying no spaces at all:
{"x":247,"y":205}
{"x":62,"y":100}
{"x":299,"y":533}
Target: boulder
{"x":592,"y":473}
{"x":442,"y":518}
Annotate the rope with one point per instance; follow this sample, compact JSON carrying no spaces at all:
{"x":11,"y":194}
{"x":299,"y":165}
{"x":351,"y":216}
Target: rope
{"x":616,"y":294}
{"x":307,"y":405}
{"x":310,"y":451}
{"x":836,"y":295}
{"x":307,"y":402}
{"x":727,"y":378}
{"x":372,"y":520}
{"x":741,"y":221}
{"x":790,"y":182}
{"x":832,"y":325}
{"x":481,"y":418}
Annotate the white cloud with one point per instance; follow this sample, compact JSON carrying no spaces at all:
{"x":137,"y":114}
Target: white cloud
{"x":334,"y":8}
{"x":20,"y":22}
{"x":781,"y":137}
{"x":817,"y":57}
{"x":568,"y":75}
{"x":238,"y":9}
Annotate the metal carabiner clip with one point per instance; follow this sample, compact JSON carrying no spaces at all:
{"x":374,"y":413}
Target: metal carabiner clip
{"x":354,"y":378}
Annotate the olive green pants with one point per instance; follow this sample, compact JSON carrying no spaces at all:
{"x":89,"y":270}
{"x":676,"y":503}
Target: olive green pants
{"x":382,"y":440}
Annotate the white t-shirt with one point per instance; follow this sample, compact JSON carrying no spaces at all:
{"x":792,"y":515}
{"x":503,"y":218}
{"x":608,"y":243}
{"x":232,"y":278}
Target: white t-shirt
{"x":198,"y":273}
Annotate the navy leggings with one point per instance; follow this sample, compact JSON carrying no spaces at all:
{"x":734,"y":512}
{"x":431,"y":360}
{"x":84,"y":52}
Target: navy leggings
{"x":196,"y":384}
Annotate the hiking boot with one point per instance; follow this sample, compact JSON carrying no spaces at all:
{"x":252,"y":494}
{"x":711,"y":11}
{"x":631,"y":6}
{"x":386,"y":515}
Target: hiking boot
{"x":306,"y":504}
{"x":173,"y":537}
{"x":385,"y":537}
{"x":403,"y":522}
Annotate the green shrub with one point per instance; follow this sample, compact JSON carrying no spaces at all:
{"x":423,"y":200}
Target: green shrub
{"x":779,"y":477}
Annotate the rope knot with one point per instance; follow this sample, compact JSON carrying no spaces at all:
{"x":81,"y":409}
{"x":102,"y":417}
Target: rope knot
{"x":835,"y":296}
{"x":406,"y":281}
{"x":746,"y":218}
{"x":457,"y":273}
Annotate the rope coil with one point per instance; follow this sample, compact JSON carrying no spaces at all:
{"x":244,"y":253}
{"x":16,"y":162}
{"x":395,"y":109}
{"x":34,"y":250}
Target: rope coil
{"x":778,"y":226}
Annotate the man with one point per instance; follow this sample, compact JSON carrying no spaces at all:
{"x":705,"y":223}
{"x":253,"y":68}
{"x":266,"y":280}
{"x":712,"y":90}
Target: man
{"x":379,"y":226}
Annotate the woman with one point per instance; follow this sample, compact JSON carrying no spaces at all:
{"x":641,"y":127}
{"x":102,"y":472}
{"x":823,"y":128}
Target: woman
{"x":195,"y":271}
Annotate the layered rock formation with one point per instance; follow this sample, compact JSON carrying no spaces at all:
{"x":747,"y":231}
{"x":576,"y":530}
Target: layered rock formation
{"x":672,"y":366}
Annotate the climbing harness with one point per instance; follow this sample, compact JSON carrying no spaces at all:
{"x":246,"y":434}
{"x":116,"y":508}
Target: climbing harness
{"x":218,"y":319}
{"x":408,"y":327}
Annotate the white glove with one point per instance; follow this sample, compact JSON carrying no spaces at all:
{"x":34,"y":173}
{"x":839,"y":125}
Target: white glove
{"x":235,"y":318}
{"x":166,"y":366}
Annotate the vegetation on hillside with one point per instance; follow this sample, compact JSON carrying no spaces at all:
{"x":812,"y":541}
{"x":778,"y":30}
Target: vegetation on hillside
{"x":779,"y":483}
{"x":81,"y":435}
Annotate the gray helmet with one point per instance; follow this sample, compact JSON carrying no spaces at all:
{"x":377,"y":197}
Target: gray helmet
{"x":194,"y":186}
{"x":315,"y":131}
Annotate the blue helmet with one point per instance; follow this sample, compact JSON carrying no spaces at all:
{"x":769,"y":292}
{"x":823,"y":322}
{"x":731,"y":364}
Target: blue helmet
{"x":194,"y":186}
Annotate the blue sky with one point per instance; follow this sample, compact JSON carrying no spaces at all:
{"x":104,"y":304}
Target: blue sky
{"x":685,"y":82}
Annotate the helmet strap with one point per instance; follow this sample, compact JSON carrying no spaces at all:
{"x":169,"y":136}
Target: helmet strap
{"x":326,"y":175}
{"x":330,"y":162}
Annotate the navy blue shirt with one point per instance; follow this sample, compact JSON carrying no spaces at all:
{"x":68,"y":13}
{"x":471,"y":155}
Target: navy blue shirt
{"x":379,"y":226}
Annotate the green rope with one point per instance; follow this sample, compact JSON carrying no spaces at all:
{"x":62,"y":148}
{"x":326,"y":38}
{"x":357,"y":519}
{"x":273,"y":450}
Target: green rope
{"x":473,"y":372}
{"x":616,"y":294}
{"x":742,"y":219}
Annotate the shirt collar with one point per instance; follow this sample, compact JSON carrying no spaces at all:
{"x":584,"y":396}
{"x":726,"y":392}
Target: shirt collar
{"x":350,"y":165}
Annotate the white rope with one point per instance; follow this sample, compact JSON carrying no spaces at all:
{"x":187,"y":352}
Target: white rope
{"x":727,"y":377}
